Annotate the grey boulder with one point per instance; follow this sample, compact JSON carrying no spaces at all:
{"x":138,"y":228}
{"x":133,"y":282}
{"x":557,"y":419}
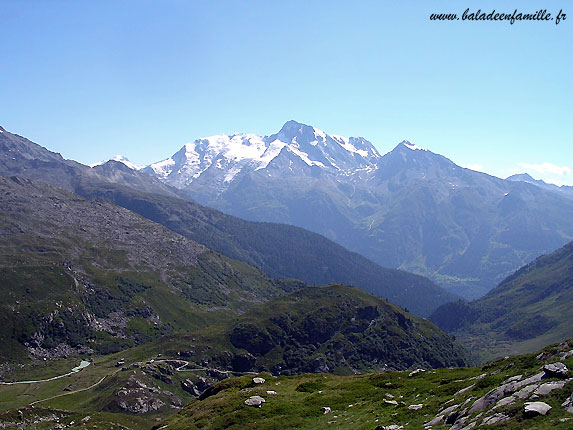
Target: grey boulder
{"x":536,"y":408}
{"x":255,"y":401}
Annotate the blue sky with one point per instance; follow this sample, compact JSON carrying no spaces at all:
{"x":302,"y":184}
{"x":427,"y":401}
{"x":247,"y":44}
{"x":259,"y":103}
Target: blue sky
{"x":141,"y":78}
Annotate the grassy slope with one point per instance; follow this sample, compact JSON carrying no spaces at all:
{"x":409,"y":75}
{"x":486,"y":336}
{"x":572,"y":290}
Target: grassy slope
{"x":281,"y":251}
{"x":357,"y":402}
{"x":71,"y":261}
{"x":405,"y":340}
{"x":345,"y":327}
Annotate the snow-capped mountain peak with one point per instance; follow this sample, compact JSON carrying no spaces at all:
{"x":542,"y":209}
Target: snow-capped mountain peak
{"x":120,"y":158}
{"x":222,"y":158}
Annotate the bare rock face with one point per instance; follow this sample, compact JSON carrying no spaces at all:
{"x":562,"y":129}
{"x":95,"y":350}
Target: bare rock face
{"x":558,"y":370}
{"x":548,"y":387}
{"x":536,"y":408}
{"x":502,"y":391}
{"x":190,"y":387}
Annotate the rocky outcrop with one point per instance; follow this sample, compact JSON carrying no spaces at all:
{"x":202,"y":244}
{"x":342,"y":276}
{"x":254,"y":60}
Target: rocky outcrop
{"x":558,"y":370}
{"x":491,"y":408}
{"x":141,"y":396}
{"x":195,"y":388}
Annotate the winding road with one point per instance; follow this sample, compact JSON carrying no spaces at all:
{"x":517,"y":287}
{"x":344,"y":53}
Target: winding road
{"x":84,"y":364}
{"x":76,"y":369}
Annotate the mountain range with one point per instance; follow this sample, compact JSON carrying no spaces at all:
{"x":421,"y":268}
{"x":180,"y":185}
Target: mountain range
{"x":565,"y":190}
{"x":409,"y":209}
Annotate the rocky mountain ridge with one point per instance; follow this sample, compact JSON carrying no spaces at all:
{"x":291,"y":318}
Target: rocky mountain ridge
{"x":409,"y":209}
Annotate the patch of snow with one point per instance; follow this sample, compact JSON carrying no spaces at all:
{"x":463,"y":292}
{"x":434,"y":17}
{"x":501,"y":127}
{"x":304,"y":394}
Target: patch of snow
{"x":304,"y":156}
{"x":319,"y":134}
{"x":345,"y":143}
{"x":340,"y":138}
{"x":125,"y":161}
{"x":231,"y":174}
{"x":121,"y":159}
{"x":163,"y":168}
{"x":412,"y":146}
{"x":275,"y":147}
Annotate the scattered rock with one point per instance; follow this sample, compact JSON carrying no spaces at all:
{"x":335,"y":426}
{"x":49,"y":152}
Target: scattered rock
{"x":545,"y":389}
{"x":513,"y":379}
{"x":452,"y":418}
{"x":556,"y":369}
{"x":391,"y":402}
{"x":271,"y":392}
{"x":390,"y":396}
{"x":449,"y":409}
{"x":190,"y":387}
{"x":259,"y":380}
{"x":390,"y":427}
{"x":494,"y":419}
{"x":536,"y":408}
{"x":459,"y":423}
{"x":477,"y":378}
{"x":415,"y":372}
{"x":438,"y":419}
{"x":464,"y":390}
{"x":566,"y":355}
{"x":531,"y":380}
{"x":568,"y":404}
{"x":255,"y":401}
{"x":510,"y":400}
{"x":326,"y":410}
{"x":504,"y":390}
{"x":140,"y":396}
{"x":525,"y":392}
{"x":416,"y":407}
